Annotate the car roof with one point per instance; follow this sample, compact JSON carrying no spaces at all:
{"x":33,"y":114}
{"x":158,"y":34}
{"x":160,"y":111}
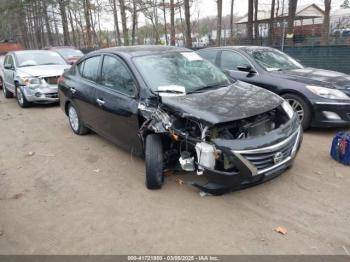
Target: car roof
{"x":31,"y":51}
{"x":244,"y":48}
{"x":133,"y":51}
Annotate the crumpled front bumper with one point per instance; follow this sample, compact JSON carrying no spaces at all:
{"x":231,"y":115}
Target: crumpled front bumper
{"x":44,"y":95}
{"x":254,"y":166}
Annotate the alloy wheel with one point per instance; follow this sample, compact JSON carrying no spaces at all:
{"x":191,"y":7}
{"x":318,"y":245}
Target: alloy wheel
{"x":297,"y":107}
{"x":19,"y":96}
{"x":73,"y":118}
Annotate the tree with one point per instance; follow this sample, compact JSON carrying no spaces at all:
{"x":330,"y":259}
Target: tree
{"x":172,"y":23}
{"x":87,"y":8}
{"x":219,"y":22}
{"x":62,"y":6}
{"x":291,"y":17}
{"x":345,"y":4}
{"x":256,"y":24}
{"x":124,"y":22}
{"x":326,"y":21}
{"x":250,"y":21}
{"x":271,"y":22}
{"x":231,"y":19}
{"x":165,"y":24}
{"x":188,"y":24}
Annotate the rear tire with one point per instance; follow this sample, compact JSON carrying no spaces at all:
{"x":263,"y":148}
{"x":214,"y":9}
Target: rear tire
{"x":154,"y":162}
{"x":301,"y":107}
{"x":7,"y":93}
{"x":75,"y":121}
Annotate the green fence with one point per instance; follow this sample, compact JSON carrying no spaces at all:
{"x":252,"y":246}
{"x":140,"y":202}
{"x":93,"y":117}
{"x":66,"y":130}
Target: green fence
{"x":335,"y":58}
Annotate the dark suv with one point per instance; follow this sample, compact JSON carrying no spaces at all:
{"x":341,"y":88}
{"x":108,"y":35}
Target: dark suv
{"x":181,"y":112}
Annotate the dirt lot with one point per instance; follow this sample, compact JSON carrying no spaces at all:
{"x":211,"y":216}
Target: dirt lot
{"x":83,"y":195}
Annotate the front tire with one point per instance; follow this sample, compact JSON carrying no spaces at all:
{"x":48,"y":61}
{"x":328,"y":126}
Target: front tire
{"x":21,"y":98}
{"x":75,"y":121}
{"x":154,"y":162}
{"x":302,"y":109}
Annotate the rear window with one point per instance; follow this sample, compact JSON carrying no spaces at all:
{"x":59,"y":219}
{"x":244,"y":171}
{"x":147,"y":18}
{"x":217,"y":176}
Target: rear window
{"x":89,"y":68}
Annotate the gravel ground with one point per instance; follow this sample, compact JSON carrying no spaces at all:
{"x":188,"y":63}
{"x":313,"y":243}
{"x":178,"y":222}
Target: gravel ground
{"x":84,"y":195}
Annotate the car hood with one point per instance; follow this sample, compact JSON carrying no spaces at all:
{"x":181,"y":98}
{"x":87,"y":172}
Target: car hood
{"x":42,"y":71}
{"x":314,"y":76}
{"x":237,"y":101}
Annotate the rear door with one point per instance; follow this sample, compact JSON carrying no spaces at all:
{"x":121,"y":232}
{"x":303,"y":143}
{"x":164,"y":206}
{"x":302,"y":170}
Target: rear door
{"x":116,"y":96}
{"x":9,"y":73}
{"x":81,"y":88}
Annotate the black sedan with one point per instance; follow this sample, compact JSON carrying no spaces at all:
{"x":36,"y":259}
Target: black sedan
{"x":183,"y":113}
{"x":320,"y":97}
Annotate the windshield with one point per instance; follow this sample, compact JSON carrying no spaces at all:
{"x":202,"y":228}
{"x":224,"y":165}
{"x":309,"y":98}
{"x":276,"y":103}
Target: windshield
{"x":39,"y":58}
{"x":69,"y":52}
{"x":186,"y":70}
{"x":274,"y":60}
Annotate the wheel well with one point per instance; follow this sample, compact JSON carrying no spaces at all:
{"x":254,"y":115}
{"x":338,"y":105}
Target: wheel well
{"x":66,"y":107}
{"x":292,"y":92}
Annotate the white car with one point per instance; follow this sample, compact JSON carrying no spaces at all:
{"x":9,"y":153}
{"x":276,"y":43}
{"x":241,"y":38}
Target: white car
{"x":32,"y":76}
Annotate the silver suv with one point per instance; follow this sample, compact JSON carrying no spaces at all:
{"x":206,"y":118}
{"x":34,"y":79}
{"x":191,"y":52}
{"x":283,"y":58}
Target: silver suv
{"x":32,"y":76}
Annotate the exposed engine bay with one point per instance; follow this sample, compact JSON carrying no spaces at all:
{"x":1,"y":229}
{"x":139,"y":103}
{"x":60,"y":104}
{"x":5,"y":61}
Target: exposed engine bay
{"x":190,"y":140}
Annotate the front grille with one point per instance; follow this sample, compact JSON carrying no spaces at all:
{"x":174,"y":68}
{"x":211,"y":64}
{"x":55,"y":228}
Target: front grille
{"x":266,"y":158}
{"x":51,"y":95}
{"x":52,"y":80}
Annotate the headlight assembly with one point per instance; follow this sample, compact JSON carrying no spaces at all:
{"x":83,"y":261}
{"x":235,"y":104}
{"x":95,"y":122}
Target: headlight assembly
{"x":289,"y":110}
{"x":31,"y":82}
{"x":328,"y":92}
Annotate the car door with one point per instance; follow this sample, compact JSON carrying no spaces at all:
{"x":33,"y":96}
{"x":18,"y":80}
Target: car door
{"x":229,"y":61}
{"x":116,"y":96}
{"x":81,"y":89}
{"x":9,"y":73}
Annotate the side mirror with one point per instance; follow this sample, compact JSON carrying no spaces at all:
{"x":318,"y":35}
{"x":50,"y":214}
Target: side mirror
{"x":8,"y":66}
{"x":246,"y":68}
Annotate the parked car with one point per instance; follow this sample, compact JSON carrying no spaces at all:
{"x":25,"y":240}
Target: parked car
{"x":32,"y":76}
{"x":320,"y":97}
{"x":178,"y":109}
{"x":69,"y":53}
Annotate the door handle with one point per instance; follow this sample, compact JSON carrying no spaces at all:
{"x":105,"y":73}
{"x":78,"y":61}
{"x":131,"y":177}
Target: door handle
{"x":73,"y":90}
{"x":100,"y":102}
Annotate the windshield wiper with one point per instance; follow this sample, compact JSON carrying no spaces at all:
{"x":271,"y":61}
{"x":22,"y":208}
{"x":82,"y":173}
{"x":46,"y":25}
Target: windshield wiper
{"x":202,"y":89}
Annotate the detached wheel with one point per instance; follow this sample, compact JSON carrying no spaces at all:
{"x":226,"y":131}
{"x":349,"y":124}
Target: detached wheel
{"x":301,"y":108}
{"x":154,"y":162}
{"x":75,"y":122}
{"x":7,"y":94}
{"x":21,"y":98}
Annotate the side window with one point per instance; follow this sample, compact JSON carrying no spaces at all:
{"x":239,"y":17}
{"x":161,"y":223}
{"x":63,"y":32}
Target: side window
{"x":116,"y":76}
{"x":90,"y":70}
{"x":209,"y":55}
{"x":230,"y":60}
{"x":80,"y":67}
{"x":5,"y":60}
{"x":10,"y":61}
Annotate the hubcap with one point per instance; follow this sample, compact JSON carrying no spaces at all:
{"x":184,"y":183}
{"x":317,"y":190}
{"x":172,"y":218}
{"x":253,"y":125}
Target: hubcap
{"x":19,"y":96}
{"x":73,"y":118}
{"x":297,"y":107}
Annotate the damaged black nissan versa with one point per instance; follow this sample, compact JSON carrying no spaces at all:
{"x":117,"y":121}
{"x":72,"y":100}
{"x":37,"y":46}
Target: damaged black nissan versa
{"x":181,"y":111}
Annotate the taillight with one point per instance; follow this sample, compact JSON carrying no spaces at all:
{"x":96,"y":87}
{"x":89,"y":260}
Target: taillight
{"x":60,"y":79}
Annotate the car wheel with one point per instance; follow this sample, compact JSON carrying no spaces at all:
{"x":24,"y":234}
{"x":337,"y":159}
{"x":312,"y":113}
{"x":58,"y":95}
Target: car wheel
{"x":75,"y":122}
{"x":1,"y":83}
{"x":7,"y":94}
{"x":301,"y":108}
{"x":21,"y":98}
{"x":154,"y":161}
